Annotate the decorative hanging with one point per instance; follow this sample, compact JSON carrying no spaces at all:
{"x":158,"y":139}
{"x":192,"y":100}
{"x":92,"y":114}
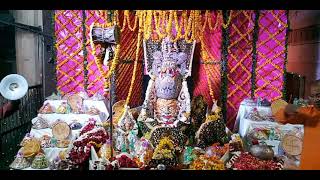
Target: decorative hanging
{"x":271,"y":53}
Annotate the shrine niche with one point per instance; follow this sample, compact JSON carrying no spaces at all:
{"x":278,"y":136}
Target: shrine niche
{"x":167,"y":104}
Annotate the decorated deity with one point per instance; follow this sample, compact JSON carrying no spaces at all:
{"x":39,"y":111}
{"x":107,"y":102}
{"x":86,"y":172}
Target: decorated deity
{"x":126,"y":133}
{"x":166,"y":107}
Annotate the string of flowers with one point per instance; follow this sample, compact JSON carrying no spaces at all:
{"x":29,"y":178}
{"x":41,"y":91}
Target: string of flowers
{"x":157,"y":21}
{"x":218,"y":19}
{"x":98,"y":60}
{"x":204,"y":55}
{"x":135,"y":21}
{"x":147,"y":19}
{"x":54,"y":50}
{"x":177,"y":27}
{"x":141,"y":17}
{"x":284,"y":92}
{"x":135,"y":62}
{"x":254,"y":52}
{"x":224,"y":67}
{"x":84,"y":49}
{"x":126,"y":13}
{"x":193,"y":25}
{"x":228,"y":22}
{"x":190,"y":28}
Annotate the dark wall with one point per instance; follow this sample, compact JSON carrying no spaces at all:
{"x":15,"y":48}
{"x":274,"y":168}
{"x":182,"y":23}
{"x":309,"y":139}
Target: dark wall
{"x":49,"y":83}
{"x":7,"y":45}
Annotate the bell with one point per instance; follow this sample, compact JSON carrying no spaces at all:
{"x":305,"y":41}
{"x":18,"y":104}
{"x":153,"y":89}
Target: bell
{"x":13,"y":87}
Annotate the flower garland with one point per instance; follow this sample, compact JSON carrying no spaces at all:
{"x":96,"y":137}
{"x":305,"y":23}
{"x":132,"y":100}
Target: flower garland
{"x":135,"y":21}
{"x":160,"y":25}
{"x":169,"y":25}
{"x":190,"y":28}
{"x":140,"y":18}
{"x":98,"y":60}
{"x":203,"y":27}
{"x":136,"y":60}
{"x":207,"y":71}
{"x":204,"y":162}
{"x":164,"y":150}
{"x":284,"y":91}
{"x":178,"y":28}
{"x":163,"y":23}
{"x":216,"y":114}
{"x":228,"y":22}
{"x":126,"y":13}
{"x":147,"y":18}
{"x":217,"y":22}
{"x":84,"y":49}
{"x":254,"y":52}
{"x":224,"y":67}
{"x":54,"y":50}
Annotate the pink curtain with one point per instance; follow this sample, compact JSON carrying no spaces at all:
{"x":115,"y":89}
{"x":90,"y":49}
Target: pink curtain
{"x":68,"y":31}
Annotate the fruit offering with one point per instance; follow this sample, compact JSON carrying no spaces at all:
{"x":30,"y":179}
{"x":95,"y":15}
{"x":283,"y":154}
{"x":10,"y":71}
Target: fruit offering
{"x":63,"y":108}
{"x":40,"y":161}
{"x":93,"y":111}
{"x":31,"y":147}
{"x":41,"y":123}
{"x":20,"y":162}
{"x":46,"y":109}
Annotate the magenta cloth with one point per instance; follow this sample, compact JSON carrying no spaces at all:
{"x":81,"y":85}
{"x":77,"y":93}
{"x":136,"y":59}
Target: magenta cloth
{"x":239,"y":62}
{"x":95,"y":79}
{"x":68,"y":29}
{"x":269,"y":75}
{"x":269,"y":79}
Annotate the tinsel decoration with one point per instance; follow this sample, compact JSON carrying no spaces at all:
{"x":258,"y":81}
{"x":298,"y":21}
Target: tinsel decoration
{"x":85,"y":53}
{"x":254,"y":52}
{"x":284,"y":91}
{"x":224,"y":66}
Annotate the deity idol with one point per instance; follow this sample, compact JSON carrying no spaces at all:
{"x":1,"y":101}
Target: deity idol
{"x":126,"y":133}
{"x":166,"y":107}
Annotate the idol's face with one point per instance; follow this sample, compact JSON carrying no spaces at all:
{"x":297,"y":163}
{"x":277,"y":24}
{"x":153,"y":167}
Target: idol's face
{"x":167,"y":110}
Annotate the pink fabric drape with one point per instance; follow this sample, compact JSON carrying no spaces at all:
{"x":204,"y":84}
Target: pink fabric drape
{"x":68,"y":29}
{"x":271,"y":54}
{"x":239,"y":62}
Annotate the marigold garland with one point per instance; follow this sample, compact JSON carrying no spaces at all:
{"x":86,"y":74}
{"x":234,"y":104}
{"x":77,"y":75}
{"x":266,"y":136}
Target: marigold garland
{"x":127,"y":16}
{"x":98,"y":60}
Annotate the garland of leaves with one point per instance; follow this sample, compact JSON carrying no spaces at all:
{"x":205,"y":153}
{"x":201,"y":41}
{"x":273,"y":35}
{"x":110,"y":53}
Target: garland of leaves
{"x":254,"y":53}
{"x":224,"y":66}
{"x":284,"y":91}
{"x":54,"y":50}
{"x":84,"y":49}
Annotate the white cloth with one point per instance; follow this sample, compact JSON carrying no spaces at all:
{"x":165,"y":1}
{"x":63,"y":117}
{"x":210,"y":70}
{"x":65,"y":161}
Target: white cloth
{"x":100,"y":105}
{"x":52,"y":153}
{"x":242,"y":124}
{"x":246,"y":108}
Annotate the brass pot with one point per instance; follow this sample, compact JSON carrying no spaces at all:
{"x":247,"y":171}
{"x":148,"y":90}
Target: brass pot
{"x":263,"y":152}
